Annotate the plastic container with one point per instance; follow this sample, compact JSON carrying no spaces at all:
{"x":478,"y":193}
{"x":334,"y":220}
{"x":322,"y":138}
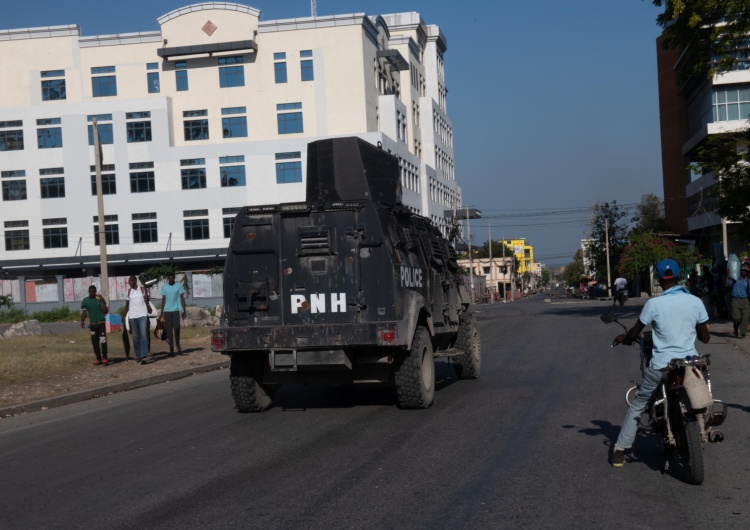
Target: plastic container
{"x":734,"y":267}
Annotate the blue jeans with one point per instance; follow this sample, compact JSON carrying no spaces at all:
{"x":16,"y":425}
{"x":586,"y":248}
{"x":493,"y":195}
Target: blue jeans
{"x":651,"y":379}
{"x":139,"y":329}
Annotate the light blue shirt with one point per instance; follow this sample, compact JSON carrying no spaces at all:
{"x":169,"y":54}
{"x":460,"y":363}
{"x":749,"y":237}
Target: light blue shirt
{"x":172,"y":294}
{"x":673,"y":317}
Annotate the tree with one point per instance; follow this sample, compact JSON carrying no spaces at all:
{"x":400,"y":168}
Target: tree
{"x":712,"y":37}
{"x":727,"y":157}
{"x":574,"y":270}
{"x":497,"y":252}
{"x":649,"y":215}
{"x":6,"y":300}
{"x":607,"y":223}
{"x":546,"y":278}
{"x":646,"y":249}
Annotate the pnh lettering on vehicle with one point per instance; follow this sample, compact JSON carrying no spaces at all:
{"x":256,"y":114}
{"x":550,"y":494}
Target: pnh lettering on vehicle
{"x":318,"y":303}
{"x":411,"y":277}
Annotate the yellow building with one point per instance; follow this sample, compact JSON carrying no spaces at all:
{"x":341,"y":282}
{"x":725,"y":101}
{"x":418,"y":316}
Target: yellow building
{"x":523,"y":252}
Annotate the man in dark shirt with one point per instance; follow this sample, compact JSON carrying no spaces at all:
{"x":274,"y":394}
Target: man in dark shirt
{"x":96,"y":308}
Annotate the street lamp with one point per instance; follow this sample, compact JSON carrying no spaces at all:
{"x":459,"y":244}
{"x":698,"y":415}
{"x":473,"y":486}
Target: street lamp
{"x":467,"y":213}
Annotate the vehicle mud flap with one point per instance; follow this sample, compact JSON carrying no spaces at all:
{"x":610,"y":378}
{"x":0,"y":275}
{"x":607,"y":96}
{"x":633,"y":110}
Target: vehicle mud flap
{"x":248,"y":391}
{"x":415,"y":373}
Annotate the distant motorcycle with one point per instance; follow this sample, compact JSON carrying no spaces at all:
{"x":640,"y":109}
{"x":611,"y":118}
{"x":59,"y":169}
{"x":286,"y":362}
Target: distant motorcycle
{"x":682,"y":410}
{"x":621,"y":296}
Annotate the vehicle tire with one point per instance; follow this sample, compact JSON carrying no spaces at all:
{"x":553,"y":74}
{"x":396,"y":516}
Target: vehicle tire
{"x":415,"y":375}
{"x":621,"y":296}
{"x":691,"y":452}
{"x":468,"y":365}
{"x":248,"y":392}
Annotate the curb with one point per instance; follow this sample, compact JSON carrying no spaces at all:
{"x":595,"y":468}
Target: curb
{"x":83,"y":395}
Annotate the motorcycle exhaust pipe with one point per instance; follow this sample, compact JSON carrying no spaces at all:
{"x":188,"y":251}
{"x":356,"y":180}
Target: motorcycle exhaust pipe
{"x":715,"y":437}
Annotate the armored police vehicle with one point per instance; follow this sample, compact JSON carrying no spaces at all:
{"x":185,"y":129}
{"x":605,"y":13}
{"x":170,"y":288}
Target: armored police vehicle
{"x":346,"y":287}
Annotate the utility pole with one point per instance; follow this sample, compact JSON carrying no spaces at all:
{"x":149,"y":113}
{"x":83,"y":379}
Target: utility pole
{"x":100,"y":213}
{"x":492,"y":266}
{"x":606,"y":241}
{"x":505,"y":274}
{"x":471,"y":260}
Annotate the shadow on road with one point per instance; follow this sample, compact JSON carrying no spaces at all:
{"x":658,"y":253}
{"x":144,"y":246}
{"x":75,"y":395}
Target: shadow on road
{"x":302,"y":397}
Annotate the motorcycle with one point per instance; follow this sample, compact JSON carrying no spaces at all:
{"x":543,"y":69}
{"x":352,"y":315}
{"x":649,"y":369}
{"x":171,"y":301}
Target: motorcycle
{"x":682,"y":411}
{"x":621,"y":296}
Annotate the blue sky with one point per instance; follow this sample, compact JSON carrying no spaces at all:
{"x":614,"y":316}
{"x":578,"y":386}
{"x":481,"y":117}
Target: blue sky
{"x":554,"y":103}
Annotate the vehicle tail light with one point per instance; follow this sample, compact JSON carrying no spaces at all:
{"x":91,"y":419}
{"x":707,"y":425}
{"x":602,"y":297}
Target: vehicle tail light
{"x":218,"y":341}
{"x":387,"y":336}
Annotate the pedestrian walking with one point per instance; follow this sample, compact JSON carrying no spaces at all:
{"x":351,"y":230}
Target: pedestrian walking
{"x":172,"y":302}
{"x":136,"y":308}
{"x":95,"y":307}
{"x":740,"y":290}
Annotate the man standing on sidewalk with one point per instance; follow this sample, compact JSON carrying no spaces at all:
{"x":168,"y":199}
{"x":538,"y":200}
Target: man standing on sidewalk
{"x":172,"y":300}
{"x":96,"y":308}
{"x":740,"y":290}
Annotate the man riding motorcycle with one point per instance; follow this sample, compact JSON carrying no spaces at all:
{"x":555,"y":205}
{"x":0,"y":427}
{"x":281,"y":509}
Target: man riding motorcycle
{"x":676,"y":318}
{"x":621,"y":285}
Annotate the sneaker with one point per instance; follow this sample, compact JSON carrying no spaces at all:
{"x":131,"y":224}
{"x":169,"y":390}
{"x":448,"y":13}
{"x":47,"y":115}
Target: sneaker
{"x":105,"y":362}
{"x":144,"y":360}
{"x":618,"y":458}
{"x":97,"y":362}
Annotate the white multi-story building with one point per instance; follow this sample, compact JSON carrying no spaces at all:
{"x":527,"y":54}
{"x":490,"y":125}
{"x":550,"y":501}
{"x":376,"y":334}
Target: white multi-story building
{"x":211,"y":113}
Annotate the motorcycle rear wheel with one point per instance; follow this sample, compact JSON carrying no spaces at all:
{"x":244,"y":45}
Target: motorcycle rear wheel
{"x":691,"y":452}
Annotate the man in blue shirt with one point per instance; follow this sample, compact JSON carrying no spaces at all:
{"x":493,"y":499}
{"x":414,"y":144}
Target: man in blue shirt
{"x":740,"y":291}
{"x":676,"y":319}
{"x":172,"y":300}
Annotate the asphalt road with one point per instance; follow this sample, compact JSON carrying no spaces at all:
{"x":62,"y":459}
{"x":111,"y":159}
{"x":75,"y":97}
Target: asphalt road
{"x":525,"y":446}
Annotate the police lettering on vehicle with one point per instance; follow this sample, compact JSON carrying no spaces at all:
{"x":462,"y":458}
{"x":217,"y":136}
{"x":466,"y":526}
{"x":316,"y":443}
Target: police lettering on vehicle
{"x":317,"y":303}
{"x":411,"y":277}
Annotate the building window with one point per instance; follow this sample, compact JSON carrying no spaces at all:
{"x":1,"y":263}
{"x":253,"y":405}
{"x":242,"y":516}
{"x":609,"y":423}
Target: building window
{"x":181,"y":76}
{"x":195,"y":129}
{"x":55,"y":236}
{"x":230,"y":214}
{"x":289,"y":122}
{"x":138,"y":131}
{"x":53,"y":89}
{"x":193,"y":178}
{"x":232,"y":175}
{"x":49,"y":137}
{"x":16,"y":239}
{"x":144,"y":228}
{"x":152,"y":78}
{"x":290,"y":170}
{"x":15,"y":189}
{"x":109,"y":182}
{"x":103,"y":127}
{"x":196,"y":228}
{"x":111,"y":230}
{"x":11,"y":140}
{"x":142,"y":181}
{"x":306,"y":65}
{"x":731,"y":103}
{"x":52,"y":187}
{"x":279,"y":67}
{"x":230,"y":76}
{"x":234,"y":126}
{"x":103,"y":85}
